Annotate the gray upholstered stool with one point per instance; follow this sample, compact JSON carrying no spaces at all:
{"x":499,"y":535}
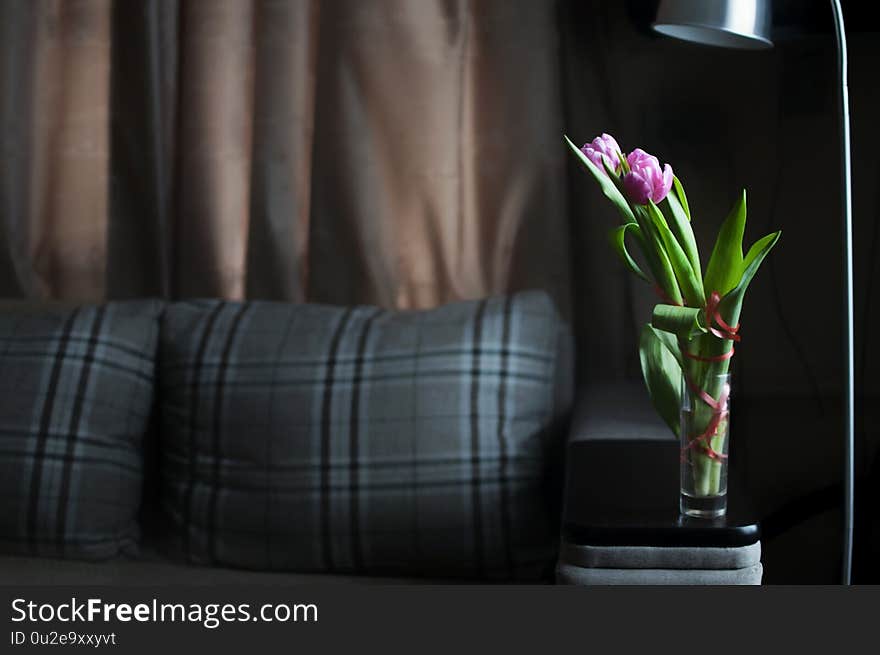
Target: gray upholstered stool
{"x":655,"y":565}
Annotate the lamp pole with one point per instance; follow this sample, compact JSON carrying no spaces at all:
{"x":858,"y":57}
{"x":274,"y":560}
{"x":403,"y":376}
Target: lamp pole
{"x":849,"y":396}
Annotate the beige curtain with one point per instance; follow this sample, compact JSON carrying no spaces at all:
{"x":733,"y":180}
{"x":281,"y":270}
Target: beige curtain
{"x":397,"y":152}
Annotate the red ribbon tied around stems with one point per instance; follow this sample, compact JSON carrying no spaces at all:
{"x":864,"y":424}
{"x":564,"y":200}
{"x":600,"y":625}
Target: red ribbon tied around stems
{"x":719,"y":407}
{"x":713,"y":317}
{"x":723,"y":331}
{"x":720,"y":411}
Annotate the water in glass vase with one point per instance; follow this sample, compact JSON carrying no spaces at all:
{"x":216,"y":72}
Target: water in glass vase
{"x":705,"y":432}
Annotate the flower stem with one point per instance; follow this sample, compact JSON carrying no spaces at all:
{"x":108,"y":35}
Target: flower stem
{"x":706,"y":375}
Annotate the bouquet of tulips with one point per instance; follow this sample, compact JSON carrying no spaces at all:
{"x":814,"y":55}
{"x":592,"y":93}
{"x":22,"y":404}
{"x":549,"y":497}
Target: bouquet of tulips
{"x":694,"y":326}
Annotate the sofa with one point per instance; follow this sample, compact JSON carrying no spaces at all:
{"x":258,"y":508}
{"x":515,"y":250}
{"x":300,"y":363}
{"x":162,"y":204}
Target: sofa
{"x":208,"y":441}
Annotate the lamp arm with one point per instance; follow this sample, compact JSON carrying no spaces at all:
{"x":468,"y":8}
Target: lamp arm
{"x":849,"y":399}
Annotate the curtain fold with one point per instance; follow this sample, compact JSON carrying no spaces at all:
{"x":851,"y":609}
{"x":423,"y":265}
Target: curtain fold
{"x":286,"y":40}
{"x":143,"y":125}
{"x":213,"y":147}
{"x":17,"y":48}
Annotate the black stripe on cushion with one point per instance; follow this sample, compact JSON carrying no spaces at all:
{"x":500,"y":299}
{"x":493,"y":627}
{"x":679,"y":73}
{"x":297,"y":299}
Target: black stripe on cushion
{"x":33,"y":511}
{"x":195,"y":386}
{"x":75,"y":422}
{"x":326,"y":441}
{"x":219,"y":405}
{"x":476,"y":476}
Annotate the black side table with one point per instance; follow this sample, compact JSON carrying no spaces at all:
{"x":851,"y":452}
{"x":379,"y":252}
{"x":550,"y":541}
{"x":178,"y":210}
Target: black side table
{"x":621,"y":523}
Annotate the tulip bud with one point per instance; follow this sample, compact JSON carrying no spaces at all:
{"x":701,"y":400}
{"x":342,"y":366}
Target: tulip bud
{"x":606,"y":147}
{"x":645,"y":180}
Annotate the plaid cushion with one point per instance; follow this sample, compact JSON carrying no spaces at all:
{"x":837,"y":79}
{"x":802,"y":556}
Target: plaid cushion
{"x":314,"y":438}
{"x":75,"y":398}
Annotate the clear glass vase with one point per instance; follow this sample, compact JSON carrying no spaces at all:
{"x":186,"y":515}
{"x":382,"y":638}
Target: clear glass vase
{"x":705,"y":437}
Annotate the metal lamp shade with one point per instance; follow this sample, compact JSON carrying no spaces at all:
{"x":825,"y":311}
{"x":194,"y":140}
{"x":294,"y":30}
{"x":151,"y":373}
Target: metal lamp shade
{"x":743,"y":24}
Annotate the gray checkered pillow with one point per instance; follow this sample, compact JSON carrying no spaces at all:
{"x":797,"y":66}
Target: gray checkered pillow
{"x":76,"y":391}
{"x":314,"y":438}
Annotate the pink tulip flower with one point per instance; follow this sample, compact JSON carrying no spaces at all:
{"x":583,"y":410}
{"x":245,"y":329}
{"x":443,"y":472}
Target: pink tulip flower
{"x":603,"y":146}
{"x":646,"y":181}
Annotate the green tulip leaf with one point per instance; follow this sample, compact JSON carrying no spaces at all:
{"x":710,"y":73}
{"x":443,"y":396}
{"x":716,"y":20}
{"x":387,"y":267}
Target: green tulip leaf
{"x":680,"y":196}
{"x":691,"y":285}
{"x":666,"y":278}
{"x":731,"y":304}
{"x":661,"y":368}
{"x":618,"y":241}
{"x":759,"y":250}
{"x":605,"y":183}
{"x":680,"y":224}
{"x":655,"y":254}
{"x":726,"y":263}
{"x":684,"y":322}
